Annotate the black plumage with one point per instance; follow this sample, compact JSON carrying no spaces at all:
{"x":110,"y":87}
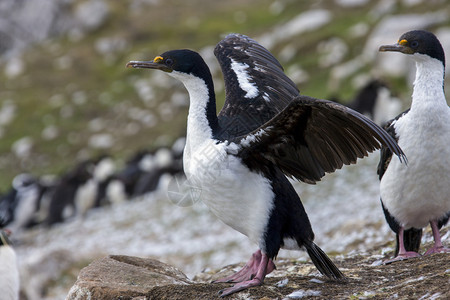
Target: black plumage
{"x":63,"y":196}
{"x":248,"y":113}
{"x":266,"y":130}
{"x":311,"y":137}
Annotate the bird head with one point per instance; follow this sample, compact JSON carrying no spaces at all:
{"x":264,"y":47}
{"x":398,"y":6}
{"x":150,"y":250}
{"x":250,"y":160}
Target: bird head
{"x":175,"y":61}
{"x":418,"y":42}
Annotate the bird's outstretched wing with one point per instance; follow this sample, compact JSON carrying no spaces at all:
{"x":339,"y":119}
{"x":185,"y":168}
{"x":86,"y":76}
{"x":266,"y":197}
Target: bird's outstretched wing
{"x":256,"y":88}
{"x":311,"y":137}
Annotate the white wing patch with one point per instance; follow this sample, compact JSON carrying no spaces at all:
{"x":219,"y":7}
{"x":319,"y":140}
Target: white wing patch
{"x":248,"y":140}
{"x":244,"y":79}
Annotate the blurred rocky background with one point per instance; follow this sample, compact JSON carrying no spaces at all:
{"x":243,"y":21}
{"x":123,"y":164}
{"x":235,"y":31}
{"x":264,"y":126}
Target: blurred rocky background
{"x":68,"y":104}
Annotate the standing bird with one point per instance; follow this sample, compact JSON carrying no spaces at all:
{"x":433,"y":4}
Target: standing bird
{"x":266,"y":130}
{"x":413,"y":196}
{"x":9,"y":272}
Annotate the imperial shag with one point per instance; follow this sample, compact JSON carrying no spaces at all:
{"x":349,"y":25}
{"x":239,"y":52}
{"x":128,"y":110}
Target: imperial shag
{"x":413,"y":196}
{"x":266,"y":130}
{"x":9,"y":272}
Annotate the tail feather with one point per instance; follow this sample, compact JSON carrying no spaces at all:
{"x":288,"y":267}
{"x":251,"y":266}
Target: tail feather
{"x":322,"y":262}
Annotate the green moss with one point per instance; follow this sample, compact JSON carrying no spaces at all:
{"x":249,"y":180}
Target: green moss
{"x":107,"y":84}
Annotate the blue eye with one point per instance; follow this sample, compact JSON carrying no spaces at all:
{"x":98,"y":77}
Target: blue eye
{"x":414,"y":44}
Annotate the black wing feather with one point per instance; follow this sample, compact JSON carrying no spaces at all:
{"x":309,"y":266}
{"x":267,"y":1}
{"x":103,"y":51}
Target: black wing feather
{"x":311,"y":137}
{"x":240,"y":114}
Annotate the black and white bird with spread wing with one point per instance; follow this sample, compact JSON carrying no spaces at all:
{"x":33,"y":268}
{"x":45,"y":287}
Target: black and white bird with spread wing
{"x":419,"y":194}
{"x":265,"y":131}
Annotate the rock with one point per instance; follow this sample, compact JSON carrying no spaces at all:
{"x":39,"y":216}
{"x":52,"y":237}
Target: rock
{"x":14,"y":67}
{"x":91,"y":14}
{"x":39,"y":19}
{"x":8,"y":112}
{"x":123,"y":277}
{"x":22,"y":147}
{"x":304,"y":22}
{"x":387,"y":31}
{"x":351,"y":3}
{"x":101,"y":141}
{"x":43,"y":19}
{"x":332,"y":52}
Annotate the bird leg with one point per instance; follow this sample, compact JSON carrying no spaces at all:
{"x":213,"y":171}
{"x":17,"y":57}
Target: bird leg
{"x":402,"y":253}
{"x":262,"y":264}
{"x":249,"y":270}
{"x":438,"y":247}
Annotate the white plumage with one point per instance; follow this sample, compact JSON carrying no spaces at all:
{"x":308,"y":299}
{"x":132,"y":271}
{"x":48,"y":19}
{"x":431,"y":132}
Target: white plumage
{"x":419,"y":192}
{"x":240,"y":69}
{"x":237,"y":196}
{"x":236,"y":161}
{"x":9,"y":273}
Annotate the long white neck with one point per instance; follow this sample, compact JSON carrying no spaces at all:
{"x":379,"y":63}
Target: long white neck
{"x":428,"y":85}
{"x":198,"y":127}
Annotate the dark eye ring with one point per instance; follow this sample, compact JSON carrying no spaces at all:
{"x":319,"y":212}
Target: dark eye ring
{"x":169,"y":62}
{"x":414,"y":44}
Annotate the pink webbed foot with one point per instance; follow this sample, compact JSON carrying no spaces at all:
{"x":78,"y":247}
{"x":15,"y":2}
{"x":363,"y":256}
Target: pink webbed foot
{"x":435,"y":249}
{"x":251,"y":275}
{"x":438,"y":247}
{"x":402,"y":253}
{"x":240,"y":287}
{"x":249,"y":271}
{"x":403,"y":256}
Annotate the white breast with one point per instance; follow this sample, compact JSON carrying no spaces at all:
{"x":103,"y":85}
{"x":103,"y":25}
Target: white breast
{"x":419,"y":192}
{"x":9,"y":274}
{"x":240,"y":198}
